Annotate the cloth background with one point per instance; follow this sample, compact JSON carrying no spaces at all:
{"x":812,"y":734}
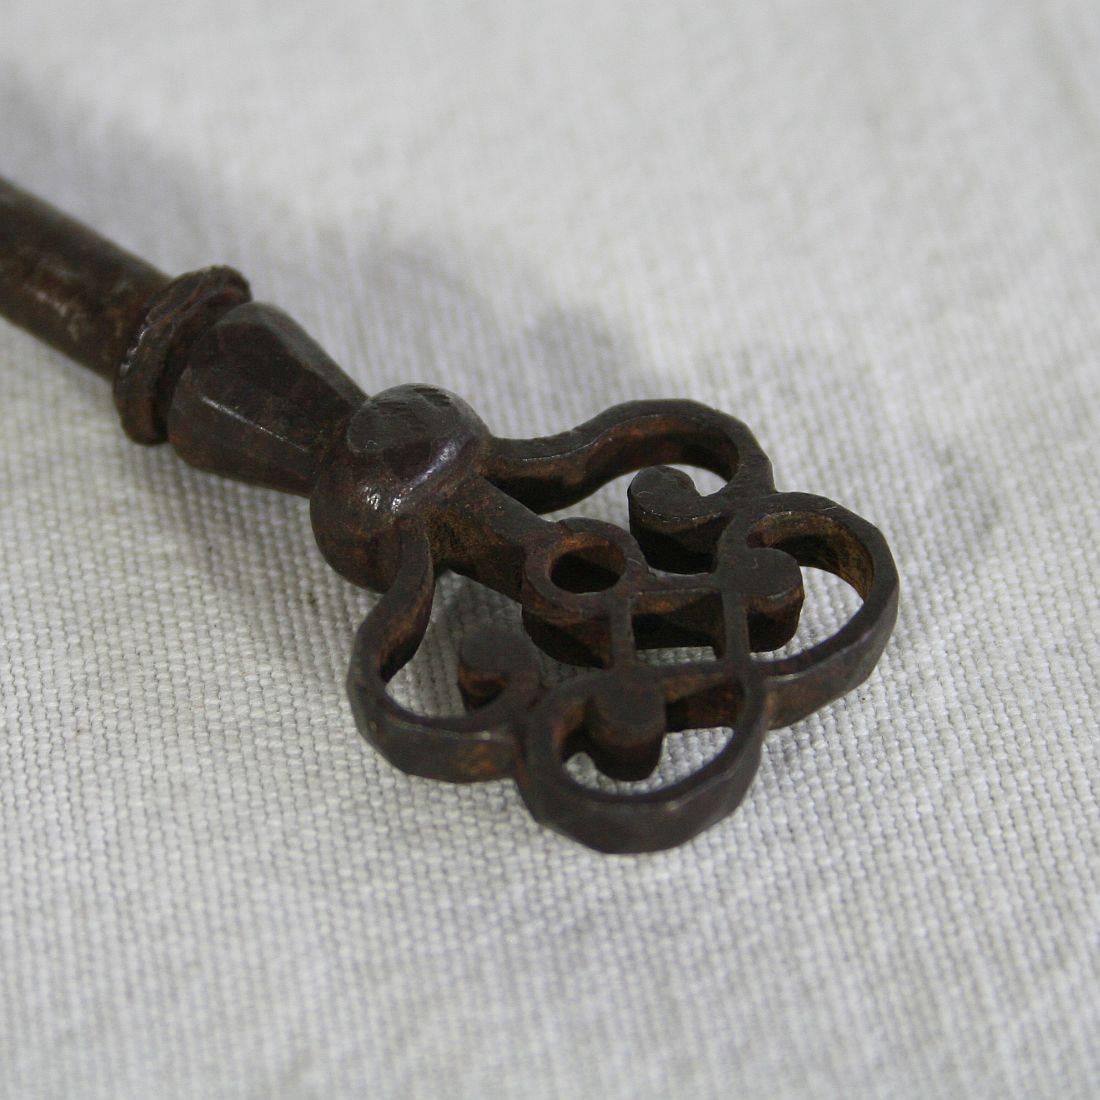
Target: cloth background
{"x":872,"y":231}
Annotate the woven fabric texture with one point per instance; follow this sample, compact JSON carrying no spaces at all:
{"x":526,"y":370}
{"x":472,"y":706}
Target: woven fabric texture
{"x":872,"y":231}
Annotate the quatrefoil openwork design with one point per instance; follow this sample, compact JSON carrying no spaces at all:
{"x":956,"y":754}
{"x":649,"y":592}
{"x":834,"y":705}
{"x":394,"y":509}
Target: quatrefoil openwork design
{"x":719,"y":570}
{"x":410,"y":483}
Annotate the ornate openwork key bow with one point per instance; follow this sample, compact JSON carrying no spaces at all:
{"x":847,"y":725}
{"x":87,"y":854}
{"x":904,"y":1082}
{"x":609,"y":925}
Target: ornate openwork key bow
{"x":410,"y":482}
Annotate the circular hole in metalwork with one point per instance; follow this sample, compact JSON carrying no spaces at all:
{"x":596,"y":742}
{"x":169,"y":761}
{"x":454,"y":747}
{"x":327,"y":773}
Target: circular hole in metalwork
{"x":830,"y":603}
{"x":682,"y":755}
{"x":594,"y":567}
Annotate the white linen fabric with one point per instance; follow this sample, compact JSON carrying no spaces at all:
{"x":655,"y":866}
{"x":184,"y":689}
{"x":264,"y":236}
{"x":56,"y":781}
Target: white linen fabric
{"x":872,"y":231}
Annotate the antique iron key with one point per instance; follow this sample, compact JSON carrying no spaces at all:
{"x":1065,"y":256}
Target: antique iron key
{"x":410,"y":482}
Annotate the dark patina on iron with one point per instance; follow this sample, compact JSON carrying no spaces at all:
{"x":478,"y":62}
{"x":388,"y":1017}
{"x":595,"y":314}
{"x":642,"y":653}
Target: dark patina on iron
{"x":410,"y":482}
